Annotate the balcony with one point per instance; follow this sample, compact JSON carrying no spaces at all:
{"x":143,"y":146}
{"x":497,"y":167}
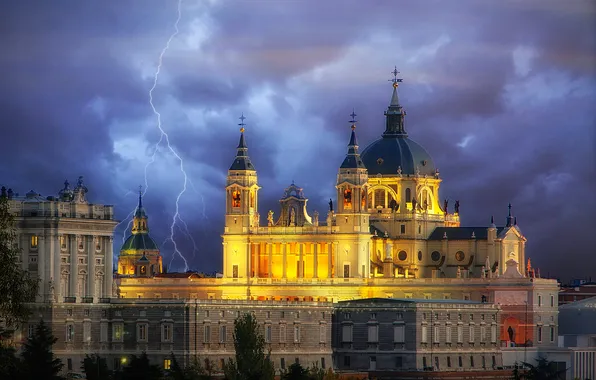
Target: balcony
{"x":87,"y":300}
{"x":104,"y":300}
{"x":70,"y":299}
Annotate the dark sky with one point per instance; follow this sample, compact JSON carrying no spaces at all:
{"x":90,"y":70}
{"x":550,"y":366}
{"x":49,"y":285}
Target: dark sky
{"x":501,"y":93}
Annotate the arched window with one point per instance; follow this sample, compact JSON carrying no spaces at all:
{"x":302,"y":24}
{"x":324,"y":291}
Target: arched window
{"x":348,"y":198}
{"x":379,"y":198}
{"x":236,"y":198}
{"x":408,"y":195}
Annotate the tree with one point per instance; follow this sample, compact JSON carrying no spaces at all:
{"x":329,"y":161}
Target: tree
{"x":543,"y":370}
{"x":10,"y":365}
{"x":251,"y":362}
{"x":194,"y":371}
{"x":95,"y":368}
{"x":297,"y":372}
{"x":139,"y":368}
{"x":16,"y":287}
{"x":38,"y":359}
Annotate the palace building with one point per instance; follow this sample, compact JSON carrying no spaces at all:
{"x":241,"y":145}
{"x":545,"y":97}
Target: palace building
{"x":386,"y":235}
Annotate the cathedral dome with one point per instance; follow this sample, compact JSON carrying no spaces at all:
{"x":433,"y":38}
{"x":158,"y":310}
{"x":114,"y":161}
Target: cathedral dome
{"x":139,"y":242}
{"x":390,"y":153}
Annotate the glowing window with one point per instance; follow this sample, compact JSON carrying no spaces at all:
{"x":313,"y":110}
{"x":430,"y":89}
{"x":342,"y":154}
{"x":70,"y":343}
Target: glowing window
{"x":236,"y":198}
{"x":34,"y":241}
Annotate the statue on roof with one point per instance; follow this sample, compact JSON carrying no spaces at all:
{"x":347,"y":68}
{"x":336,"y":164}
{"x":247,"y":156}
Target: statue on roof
{"x":456,"y":207}
{"x":80,"y":191}
{"x":292,"y":216}
{"x":316,"y":218}
{"x":270,"y":218}
{"x":330,"y":204}
{"x":445,"y":206}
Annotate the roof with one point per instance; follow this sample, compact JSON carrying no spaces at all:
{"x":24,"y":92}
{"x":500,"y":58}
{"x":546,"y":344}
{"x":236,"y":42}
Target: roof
{"x":587,"y":303}
{"x":461,"y":233}
{"x":352,"y":160}
{"x":389,"y":154}
{"x":139,"y":242}
{"x":242,"y":161}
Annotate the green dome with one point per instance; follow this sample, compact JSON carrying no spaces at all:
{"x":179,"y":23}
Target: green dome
{"x":139,"y":242}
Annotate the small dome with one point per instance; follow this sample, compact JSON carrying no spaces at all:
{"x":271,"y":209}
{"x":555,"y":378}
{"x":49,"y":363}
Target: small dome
{"x":139,"y":242}
{"x":386,"y":155}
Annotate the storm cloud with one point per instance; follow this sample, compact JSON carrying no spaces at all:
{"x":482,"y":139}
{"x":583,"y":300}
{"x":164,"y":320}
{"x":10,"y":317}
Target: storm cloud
{"x":501,"y":93}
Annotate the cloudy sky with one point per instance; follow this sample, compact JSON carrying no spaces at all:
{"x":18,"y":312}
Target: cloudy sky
{"x":501,"y":93}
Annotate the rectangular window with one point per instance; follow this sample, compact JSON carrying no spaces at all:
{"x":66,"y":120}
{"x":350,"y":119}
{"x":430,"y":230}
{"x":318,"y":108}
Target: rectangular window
{"x":346,"y":270}
{"x":34,"y":241}
{"x":267,"y":333}
{"x":322,"y":333}
{"x":436,"y":334}
{"x":483,"y":361}
{"x":460,"y":361}
{"x":206,"y":334}
{"x":493,"y":333}
{"x":399,"y":333}
{"x":347,"y":361}
{"x":282,"y":333}
{"x":223,"y":330}
{"x":471,"y":361}
{"x":296,"y":334}
{"x":449,"y":361}
{"x":167,"y":363}
{"x":448,"y":334}
{"x":403,"y":229}
{"x":87,"y":331}
{"x":69,"y":364}
{"x":103,"y":332}
{"x":482,"y":334}
{"x":70,"y":332}
{"x":494,"y":360}
{"x":166,"y":332}
{"x":552,"y":301}
{"x":552,"y":333}
{"x":117,"y":332}
{"x":142,"y":332}
{"x":346,"y":335}
{"x":30,"y":331}
{"x":62,"y":242}
{"x":424,"y":334}
{"x":323,"y":363}
{"x":539,"y":300}
{"x":460,"y":334}
{"x":373,"y":334}
{"x":539,"y":333}
{"x":235,"y":271}
{"x":398,"y":362}
{"x":424,"y":363}
{"x":471,"y":334}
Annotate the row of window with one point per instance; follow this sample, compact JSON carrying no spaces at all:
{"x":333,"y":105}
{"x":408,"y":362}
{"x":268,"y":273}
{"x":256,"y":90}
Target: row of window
{"x":142,"y":330}
{"x":372,"y":360}
{"x":34,"y":243}
{"x":436,"y":316}
{"x":552,"y":300}
{"x":399,"y":334}
{"x":238,"y":313}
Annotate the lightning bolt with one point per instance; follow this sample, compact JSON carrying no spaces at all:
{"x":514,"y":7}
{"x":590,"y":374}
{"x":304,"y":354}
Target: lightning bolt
{"x":164,"y":137}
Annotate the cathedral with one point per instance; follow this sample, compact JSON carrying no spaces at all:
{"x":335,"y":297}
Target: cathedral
{"x":384,"y":235}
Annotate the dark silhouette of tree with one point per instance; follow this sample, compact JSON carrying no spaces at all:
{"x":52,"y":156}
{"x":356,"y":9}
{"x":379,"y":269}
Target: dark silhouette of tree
{"x":10,"y":365}
{"x":38,"y":359}
{"x":139,"y":368}
{"x":16,"y":287}
{"x":95,"y":368}
{"x":297,"y":372}
{"x":251,"y":362}
{"x":543,"y":370}
{"x":194,"y":371}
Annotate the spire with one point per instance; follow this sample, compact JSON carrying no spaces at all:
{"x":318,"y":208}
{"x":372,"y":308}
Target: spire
{"x":395,"y":113}
{"x":509,"y":217}
{"x":140,"y":211}
{"x":242,"y":161}
{"x":352,"y":160}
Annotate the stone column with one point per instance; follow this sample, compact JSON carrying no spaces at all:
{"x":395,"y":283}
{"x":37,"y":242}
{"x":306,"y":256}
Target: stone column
{"x":109,"y":266}
{"x":336,"y":254}
{"x":90,"y":291}
{"x":257,"y":256}
{"x":284,"y":262}
{"x":268,"y":249}
{"x":25,"y":244}
{"x":315,"y":272}
{"x":56,"y":272}
{"x":74,"y":275}
{"x":247,"y":250}
{"x":300,"y":258}
{"x":329,"y":258}
{"x":41,"y":267}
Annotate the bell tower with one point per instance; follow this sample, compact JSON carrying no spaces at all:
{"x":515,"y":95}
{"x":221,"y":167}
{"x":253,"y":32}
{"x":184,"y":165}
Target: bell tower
{"x":241,"y":210}
{"x":352,"y":216}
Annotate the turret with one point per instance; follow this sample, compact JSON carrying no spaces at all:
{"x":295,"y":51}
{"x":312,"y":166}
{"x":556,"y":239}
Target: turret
{"x":241,"y":190}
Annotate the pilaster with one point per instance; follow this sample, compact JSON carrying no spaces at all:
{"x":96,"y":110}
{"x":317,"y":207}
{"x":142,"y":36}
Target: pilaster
{"x":109,"y":266}
{"x":74,"y":273}
{"x":90,"y":291}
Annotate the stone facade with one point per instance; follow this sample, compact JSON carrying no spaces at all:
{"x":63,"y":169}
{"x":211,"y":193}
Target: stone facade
{"x":407,"y":334}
